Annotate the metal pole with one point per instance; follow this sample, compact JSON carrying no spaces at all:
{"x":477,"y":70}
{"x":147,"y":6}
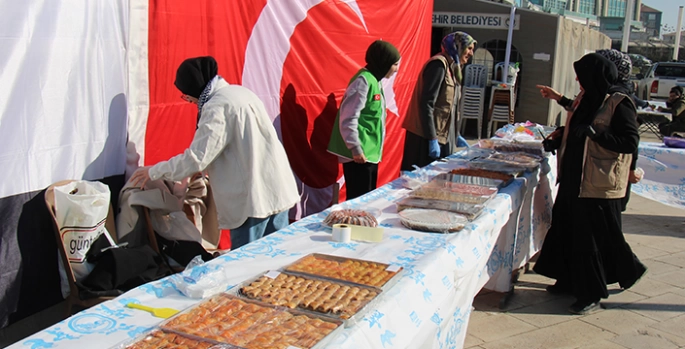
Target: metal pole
{"x":630,"y":4}
{"x":507,"y":53}
{"x":676,"y":48}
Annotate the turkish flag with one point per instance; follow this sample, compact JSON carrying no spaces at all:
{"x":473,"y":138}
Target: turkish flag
{"x":298,"y":56}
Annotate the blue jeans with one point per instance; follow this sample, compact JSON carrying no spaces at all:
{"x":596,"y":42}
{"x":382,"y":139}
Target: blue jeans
{"x":256,"y":228}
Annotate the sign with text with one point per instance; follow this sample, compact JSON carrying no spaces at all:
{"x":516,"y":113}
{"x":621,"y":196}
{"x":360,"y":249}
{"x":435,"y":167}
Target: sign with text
{"x":474,"y":20}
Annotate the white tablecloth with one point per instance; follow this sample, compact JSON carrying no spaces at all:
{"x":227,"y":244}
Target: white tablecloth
{"x":664,"y":179}
{"x":428,"y":308}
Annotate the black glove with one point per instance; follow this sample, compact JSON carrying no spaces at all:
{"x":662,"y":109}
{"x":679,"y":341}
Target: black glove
{"x":586,"y":130}
{"x":551,"y":144}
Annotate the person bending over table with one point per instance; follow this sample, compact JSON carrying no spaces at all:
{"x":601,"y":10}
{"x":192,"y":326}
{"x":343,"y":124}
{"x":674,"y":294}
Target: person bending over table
{"x":237,"y":145}
{"x":676,"y":106}
{"x":431,"y":120}
{"x":585,"y":249}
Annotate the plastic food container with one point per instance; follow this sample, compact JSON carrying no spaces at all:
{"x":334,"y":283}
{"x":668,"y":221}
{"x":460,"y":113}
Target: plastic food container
{"x":462,"y":188}
{"x":480,"y":181}
{"x":432,"y":220}
{"x":343,"y":300}
{"x":449,"y":194}
{"x":470,"y":211}
{"x":346,"y":269}
{"x":497,"y":166}
{"x":156,"y":339}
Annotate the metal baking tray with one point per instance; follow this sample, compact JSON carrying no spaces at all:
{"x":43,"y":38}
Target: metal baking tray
{"x":349,"y":319}
{"x":393,"y":269}
{"x":482,"y":181}
{"x":215,"y":322}
{"x":138,"y":342}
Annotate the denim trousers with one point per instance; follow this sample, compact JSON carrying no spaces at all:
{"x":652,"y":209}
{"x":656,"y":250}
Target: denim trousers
{"x":256,"y":228}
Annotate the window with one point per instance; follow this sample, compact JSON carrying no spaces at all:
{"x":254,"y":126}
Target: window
{"x":617,"y":8}
{"x":652,"y":17}
{"x":588,"y":7}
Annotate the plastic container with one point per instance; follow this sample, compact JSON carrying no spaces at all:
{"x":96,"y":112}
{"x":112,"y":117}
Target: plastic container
{"x":476,"y":172}
{"x":480,"y":181}
{"x":525,"y":160}
{"x":497,"y":166}
{"x":470,"y":211}
{"x":246,"y":323}
{"x":449,"y":194}
{"x":341,"y":268}
{"x":531,"y":147}
{"x":342,"y":215}
{"x":432,"y":220}
{"x":462,"y":188}
{"x":345,"y":301}
{"x":674,"y":142}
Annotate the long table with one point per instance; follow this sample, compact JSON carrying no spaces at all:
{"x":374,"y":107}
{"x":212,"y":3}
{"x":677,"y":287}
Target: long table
{"x":664,"y":179}
{"x":430,"y":305}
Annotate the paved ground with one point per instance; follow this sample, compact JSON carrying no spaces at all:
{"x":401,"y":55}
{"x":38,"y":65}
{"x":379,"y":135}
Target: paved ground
{"x":649,"y":315}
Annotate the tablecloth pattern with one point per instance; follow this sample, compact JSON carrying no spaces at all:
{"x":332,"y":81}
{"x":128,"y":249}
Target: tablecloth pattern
{"x":664,"y":179}
{"x":430,"y":305}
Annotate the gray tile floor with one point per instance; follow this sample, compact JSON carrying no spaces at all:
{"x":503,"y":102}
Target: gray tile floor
{"x":649,"y":315}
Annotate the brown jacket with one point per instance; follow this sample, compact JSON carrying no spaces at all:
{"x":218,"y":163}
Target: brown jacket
{"x":441,"y":112}
{"x":605,"y":172}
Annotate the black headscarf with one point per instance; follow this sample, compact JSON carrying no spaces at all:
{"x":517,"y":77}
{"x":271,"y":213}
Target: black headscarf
{"x":194,"y":74}
{"x":380,"y":56}
{"x":596,"y":75}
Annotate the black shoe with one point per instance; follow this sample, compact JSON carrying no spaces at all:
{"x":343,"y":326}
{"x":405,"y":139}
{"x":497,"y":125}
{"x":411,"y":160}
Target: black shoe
{"x":560,"y":288}
{"x":630,"y":283}
{"x":584,"y":307}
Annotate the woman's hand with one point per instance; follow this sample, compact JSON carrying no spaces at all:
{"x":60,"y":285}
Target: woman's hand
{"x":140,"y":177}
{"x":360,"y":159}
{"x":549,"y":93}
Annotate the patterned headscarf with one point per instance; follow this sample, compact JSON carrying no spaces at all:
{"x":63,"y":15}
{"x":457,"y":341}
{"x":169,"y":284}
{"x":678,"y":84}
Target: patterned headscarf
{"x":622,"y":62}
{"x":455,"y":45}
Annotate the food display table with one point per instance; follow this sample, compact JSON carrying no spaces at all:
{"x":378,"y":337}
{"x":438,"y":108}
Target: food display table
{"x":664,"y":178}
{"x":430,"y":305}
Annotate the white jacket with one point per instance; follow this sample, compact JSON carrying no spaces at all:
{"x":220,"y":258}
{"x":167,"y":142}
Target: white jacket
{"x":237,"y":145}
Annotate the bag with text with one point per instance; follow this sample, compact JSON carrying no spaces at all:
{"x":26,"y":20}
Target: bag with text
{"x":81,"y":208}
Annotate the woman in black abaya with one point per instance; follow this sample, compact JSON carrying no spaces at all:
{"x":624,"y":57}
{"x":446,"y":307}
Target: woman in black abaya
{"x":585,"y":249}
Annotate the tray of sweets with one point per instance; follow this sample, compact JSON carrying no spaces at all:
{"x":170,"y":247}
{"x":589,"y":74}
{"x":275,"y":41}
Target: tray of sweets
{"x":434,"y":221}
{"x":462,"y":187}
{"x":352,"y":270}
{"x":157,"y":338}
{"x":497,"y":166}
{"x":500,"y":145}
{"x":470,"y":211}
{"x":480,"y":181}
{"x":343,"y":300}
{"x":449,"y":194}
{"x":475,"y":172}
{"x":250,"y":324}
{"x":526,"y":160}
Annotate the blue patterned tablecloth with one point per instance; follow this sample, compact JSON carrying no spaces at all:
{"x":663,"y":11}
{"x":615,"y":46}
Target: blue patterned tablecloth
{"x":430,"y":305}
{"x":664,"y":179}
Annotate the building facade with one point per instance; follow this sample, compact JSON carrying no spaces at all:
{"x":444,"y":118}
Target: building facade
{"x":651,"y":20}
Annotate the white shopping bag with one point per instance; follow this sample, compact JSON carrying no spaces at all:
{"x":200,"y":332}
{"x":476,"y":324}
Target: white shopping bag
{"x":81,"y":209}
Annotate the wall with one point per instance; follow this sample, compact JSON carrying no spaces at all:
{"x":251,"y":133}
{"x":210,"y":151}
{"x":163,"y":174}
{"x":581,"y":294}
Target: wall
{"x":536,"y":34}
{"x":573,"y":41}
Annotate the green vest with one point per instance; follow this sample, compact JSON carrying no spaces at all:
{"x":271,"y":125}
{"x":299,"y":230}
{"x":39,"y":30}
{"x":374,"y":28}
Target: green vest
{"x":371,"y":124}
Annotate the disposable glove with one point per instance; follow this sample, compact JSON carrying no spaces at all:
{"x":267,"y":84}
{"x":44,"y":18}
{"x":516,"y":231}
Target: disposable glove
{"x":433,"y":149}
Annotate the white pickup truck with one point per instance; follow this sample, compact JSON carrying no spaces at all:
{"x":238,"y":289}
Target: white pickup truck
{"x":660,"y":79}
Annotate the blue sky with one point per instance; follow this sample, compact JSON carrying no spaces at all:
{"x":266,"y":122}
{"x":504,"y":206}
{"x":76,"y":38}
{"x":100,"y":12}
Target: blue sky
{"x":669,"y":9}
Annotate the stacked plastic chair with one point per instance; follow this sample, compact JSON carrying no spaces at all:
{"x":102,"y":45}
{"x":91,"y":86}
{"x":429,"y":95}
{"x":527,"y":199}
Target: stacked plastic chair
{"x":502,"y":99}
{"x":472,"y":99}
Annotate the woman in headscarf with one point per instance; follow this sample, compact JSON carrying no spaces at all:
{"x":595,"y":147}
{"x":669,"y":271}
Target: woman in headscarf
{"x":585,"y":249}
{"x":432,"y":115}
{"x":237,"y":145}
{"x":359,"y":129}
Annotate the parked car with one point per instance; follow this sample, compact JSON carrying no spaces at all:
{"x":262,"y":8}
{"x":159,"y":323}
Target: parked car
{"x":660,"y":79}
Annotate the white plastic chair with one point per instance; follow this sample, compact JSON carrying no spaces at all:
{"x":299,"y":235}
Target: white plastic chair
{"x":471,"y":103}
